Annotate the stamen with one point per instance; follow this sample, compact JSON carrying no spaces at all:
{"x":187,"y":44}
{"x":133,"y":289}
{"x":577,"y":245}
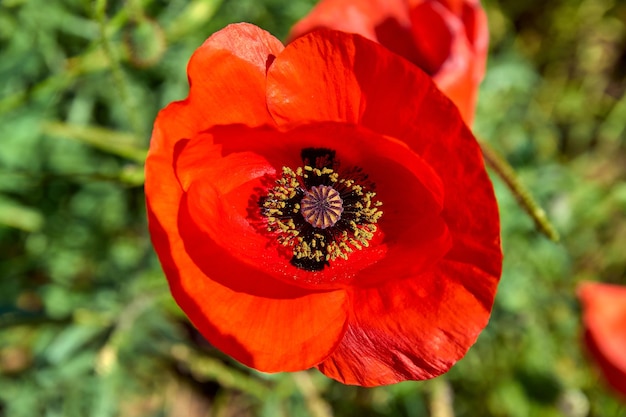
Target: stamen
{"x":318,"y":214}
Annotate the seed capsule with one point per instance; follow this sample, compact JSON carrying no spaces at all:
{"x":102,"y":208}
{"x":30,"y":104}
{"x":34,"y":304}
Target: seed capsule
{"x":321,"y":206}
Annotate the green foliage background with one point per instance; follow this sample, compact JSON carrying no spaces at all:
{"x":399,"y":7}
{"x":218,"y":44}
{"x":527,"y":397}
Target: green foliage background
{"x":87,"y":325}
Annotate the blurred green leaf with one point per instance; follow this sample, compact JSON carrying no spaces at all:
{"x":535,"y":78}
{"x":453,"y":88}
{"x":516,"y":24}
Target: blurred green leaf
{"x":204,"y":367}
{"x":196,"y":14}
{"x":117,"y":143}
{"x":69,"y":342}
{"x":19,"y":216}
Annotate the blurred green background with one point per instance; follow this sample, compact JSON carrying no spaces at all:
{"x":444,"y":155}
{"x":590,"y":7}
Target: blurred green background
{"x":87,"y":325}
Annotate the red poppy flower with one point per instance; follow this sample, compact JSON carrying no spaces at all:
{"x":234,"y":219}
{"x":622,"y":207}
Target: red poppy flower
{"x":323,"y":204}
{"x":604,"y":318}
{"x":448,"y":39}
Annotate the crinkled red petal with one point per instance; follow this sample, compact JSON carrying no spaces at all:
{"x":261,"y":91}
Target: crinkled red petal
{"x":412,"y":329}
{"x":409,"y":107}
{"x":226,"y":171}
{"x":604,"y":318}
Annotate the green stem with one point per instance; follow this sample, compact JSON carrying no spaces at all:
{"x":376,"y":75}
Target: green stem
{"x":521,"y":193}
{"x":441,"y":398}
{"x":206,"y":368}
{"x":135,"y":10}
{"x":113,"y":142}
{"x":314,"y":402}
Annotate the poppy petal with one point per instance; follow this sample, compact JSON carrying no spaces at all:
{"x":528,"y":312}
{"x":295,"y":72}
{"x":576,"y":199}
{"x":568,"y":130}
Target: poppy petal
{"x":604,"y":317}
{"x":383,"y":21}
{"x":351,"y":89}
{"x":237,"y":57}
{"x":455,"y":57}
{"x":455,"y":6}
{"x":433,"y":28}
{"x":220,"y":189}
{"x":412,"y":329}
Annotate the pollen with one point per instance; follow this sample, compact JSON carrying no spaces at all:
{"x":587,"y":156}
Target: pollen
{"x":320,"y":213}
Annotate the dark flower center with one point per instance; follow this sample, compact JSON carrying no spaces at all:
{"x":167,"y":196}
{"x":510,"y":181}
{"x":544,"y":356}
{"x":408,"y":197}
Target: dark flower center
{"x":319,"y":214}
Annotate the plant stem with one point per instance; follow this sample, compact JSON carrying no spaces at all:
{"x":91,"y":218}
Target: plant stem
{"x":521,"y":193}
{"x":314,"y":402}
{"x":441,"y":398}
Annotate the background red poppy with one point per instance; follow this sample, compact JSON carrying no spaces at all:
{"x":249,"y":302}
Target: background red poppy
{"x":604,"y":319}
{"x":448,"y":39}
